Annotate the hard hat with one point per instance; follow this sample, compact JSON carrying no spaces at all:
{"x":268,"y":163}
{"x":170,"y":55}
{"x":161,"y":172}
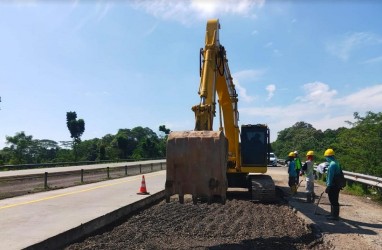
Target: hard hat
{"x":329,"y":152}
{"x":296,"y":152}
{"x":310,"y":153}
{"x":291,"y":154}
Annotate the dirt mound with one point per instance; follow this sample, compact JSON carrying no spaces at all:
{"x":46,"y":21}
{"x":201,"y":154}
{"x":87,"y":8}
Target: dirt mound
{"x":240,"y":224}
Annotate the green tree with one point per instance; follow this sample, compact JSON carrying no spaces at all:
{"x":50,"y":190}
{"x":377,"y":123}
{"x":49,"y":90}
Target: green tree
{"x":88,"y":150}
{"x":46,"y":150}
{"x":22,"y":148}
{"x":359,"y":148}
{"x":111,"y":151}
{"x":126,"y":141}
{"x":165,"y":130}
{"x":301,"y":136}
{"x":76,"y":129}
{"x":163,"y":140}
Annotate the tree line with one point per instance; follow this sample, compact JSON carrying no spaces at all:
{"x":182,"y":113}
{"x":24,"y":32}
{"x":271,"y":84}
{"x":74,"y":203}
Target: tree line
{"x":358,"y":148}
{"x":136,"y":143}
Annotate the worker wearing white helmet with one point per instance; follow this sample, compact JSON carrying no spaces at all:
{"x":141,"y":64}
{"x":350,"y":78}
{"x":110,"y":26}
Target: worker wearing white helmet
{"x":308,"y":170}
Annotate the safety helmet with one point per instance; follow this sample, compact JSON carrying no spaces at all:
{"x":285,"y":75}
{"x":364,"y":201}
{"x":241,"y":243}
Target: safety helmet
{"x":310,"y":153}
{"x":296,"y":152}
{"x":291,"y":154}
{"x":329,"y":152}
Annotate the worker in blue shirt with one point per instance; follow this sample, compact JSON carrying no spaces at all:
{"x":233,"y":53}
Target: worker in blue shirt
{"x":292,"y":181}
{"x":332,"y":190}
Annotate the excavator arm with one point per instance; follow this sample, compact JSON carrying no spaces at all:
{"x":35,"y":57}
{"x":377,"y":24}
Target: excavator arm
{"x":216,"y":79}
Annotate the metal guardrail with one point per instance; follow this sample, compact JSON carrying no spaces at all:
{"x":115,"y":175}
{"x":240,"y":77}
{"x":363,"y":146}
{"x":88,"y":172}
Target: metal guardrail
{"x":361,"y":178}
{"x":364,"y":179}
{"x":20,"y":184}
{"x":66,"y":164}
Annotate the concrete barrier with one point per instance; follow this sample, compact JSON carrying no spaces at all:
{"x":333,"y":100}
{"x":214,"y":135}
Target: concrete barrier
{"x":61,"y":240}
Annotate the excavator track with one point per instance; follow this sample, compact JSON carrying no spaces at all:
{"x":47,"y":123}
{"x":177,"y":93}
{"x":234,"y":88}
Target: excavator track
{"x":262,"y":188}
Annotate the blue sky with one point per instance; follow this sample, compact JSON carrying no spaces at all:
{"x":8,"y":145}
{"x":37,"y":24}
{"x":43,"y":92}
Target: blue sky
{"x":122,"y":64}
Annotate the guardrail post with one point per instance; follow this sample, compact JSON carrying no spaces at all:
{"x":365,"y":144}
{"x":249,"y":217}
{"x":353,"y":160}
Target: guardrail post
{"x":108,"y":172}
{"x":140,"y":168}
{"x":161,"y":166}
{"x":46,"y":180}
{"x":82,"y":176}
{"x":364,"y":188}
{"x":126,"y":170}
{"x":152,"y":167}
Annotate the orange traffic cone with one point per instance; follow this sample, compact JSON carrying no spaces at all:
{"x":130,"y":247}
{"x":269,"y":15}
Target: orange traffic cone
{"x":143,"y":189}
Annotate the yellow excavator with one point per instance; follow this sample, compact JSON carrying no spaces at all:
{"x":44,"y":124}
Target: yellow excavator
{"x":203,"y":162}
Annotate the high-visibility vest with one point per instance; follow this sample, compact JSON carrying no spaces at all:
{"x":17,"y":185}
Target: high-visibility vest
{"x":298,"y":163}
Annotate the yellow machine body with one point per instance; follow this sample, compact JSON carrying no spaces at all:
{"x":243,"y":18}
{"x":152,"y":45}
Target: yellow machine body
{"x":189,"y":160}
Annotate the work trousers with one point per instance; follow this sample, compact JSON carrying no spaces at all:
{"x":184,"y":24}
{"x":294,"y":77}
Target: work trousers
{"x":292,"y":181}
{"x":298,"y":176}
{"x":334,"y":194}
{"x":309,"y":187}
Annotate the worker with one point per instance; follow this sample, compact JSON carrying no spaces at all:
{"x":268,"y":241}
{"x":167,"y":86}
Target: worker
{"x":332,"y":190}
{"x":308,"y":170}
{"x":297,"y":165}
{"x":292,"y":173}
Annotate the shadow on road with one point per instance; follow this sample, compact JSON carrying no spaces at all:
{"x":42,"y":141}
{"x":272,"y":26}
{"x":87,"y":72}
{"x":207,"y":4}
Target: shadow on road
{"x":316,"y":215}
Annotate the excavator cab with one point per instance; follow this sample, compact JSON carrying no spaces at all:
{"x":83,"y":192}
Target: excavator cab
{"x":254,"y":145}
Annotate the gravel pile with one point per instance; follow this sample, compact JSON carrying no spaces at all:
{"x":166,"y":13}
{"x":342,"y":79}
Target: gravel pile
{"x":239,"y":224}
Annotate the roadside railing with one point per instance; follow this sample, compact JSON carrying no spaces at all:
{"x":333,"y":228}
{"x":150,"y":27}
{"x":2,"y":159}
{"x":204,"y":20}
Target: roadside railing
{"x":360,"y":178}
{"x":364,"y":179}
{"x":21,"y":184}
{"x":67,"y":164}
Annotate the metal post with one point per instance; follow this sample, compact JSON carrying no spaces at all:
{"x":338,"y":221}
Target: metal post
{"x":82,"y":176}
{"x":46,"y":180}
{"x":126,"y":170}
{"x":152,"y":167}
{"x":161,"y":166}
{"x":140,"y":168}
{"x":108,"y":172}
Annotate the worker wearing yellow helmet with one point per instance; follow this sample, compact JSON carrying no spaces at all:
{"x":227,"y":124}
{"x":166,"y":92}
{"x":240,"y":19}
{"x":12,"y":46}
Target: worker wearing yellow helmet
{"x":331,"y":189}
{"x":308,"y":170}
{"x":292,"y":181}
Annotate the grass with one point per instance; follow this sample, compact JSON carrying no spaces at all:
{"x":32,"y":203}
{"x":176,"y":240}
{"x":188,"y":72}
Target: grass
{"x":361,"y":190}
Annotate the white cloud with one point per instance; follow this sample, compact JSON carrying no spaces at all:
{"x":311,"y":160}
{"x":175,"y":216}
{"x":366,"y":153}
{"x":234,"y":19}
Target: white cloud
{"x":102,"y":9}
{"x":246,"y":76}
{"x":368,"y":98}
{"x":151,"y":30}
{"x":271,"y":90}
{"x":320,"y":107}
{"x":268,"y":45}
{"x":373,"y":60}
{"x":98,"y":12}
{"x":344,"y":46}
{"x":242,"y":92}
{"x":186,"y":11}
{"x":318,"y":93}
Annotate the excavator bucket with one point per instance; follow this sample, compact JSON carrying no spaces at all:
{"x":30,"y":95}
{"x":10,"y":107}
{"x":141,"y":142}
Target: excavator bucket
{"x":196,"y":165}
